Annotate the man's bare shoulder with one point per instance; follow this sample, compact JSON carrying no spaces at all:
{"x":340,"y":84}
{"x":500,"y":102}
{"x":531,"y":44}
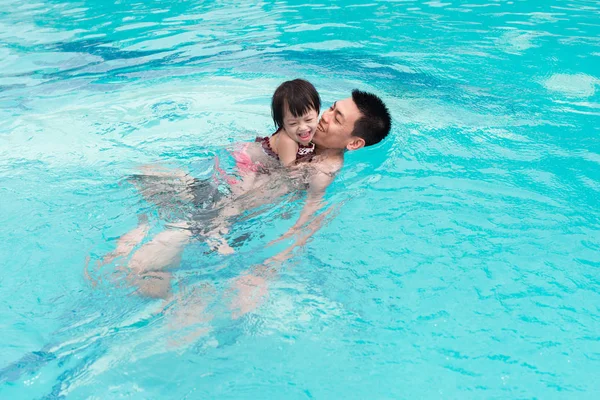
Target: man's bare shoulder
{"x":328,"y":163}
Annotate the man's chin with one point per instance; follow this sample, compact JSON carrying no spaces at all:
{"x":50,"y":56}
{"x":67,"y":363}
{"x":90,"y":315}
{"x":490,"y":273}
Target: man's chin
{"x":317,"y":138}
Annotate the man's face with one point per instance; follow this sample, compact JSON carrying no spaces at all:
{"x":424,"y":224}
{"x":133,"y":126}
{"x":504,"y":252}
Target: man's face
{"x":336,"y":125}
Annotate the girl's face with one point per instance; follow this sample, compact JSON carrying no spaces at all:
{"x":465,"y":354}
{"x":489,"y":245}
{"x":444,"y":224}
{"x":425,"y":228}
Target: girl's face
{"x":301,"y":129}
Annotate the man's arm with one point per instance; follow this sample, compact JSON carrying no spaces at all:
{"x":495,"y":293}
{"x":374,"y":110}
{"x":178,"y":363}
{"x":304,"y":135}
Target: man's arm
{"x":317,"y":185}
{"x":252,"y":287}
{"x":319,"y":180}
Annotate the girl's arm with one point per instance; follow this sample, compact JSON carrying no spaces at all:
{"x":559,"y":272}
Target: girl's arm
{"x":287,"y":149}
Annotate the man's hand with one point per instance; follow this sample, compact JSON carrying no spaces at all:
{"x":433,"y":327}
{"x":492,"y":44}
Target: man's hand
{"x":251,"y":291}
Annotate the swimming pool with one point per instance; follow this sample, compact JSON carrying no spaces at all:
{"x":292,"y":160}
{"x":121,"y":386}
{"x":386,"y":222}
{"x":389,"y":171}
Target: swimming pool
{"x":463,"y":257}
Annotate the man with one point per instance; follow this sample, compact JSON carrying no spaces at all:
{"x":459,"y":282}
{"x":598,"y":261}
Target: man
{"x":349,"y":124}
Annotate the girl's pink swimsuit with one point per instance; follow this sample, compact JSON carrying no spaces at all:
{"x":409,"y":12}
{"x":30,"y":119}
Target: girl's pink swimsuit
{"x":244,"y":163}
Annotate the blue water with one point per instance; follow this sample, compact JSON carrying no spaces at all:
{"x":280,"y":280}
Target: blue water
{"x":462,"y":256}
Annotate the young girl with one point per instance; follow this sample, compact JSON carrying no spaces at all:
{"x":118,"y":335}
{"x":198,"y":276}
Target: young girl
{"x":295,"y":110}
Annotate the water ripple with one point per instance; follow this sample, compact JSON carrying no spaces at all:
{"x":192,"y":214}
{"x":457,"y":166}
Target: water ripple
{"x":463,"y":261}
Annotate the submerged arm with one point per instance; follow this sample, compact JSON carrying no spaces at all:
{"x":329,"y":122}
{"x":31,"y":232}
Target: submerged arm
{"x":252,"y":287}
{"x":314,"y":201}
{"x":321,"y":177}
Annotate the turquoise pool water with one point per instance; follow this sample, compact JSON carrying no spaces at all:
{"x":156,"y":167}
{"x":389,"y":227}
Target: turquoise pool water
{"x":462,"y":259}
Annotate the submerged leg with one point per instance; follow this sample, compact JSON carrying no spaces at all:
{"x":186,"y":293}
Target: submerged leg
{"x":214,"y":237}
{"x":217,"y":242}
{"x":125,"y":246}
{"x":149,"y":264}
{"x":160,"y":186}
{"x":130,"y":240}
{"x":189,"y":318}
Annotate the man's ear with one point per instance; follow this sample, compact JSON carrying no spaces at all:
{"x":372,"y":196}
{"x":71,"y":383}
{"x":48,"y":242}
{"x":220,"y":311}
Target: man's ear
{"x":355,"y":143}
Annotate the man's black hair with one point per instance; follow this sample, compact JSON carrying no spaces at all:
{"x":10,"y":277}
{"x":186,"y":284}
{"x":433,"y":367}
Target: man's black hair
{"x":375,"y":123}
{"x":298,"y":95}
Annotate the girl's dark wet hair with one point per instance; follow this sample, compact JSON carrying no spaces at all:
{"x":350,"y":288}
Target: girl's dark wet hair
{"x":299,"y":96}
